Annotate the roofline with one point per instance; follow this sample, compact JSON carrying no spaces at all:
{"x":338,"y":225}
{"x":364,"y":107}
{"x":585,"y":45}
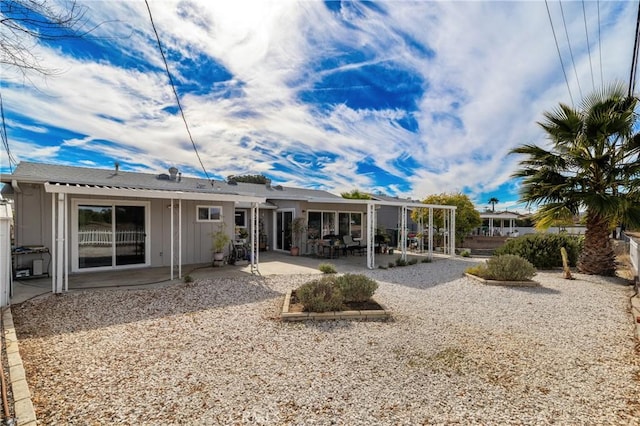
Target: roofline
{"x":78,"y":189}
{"x":408,"y":204}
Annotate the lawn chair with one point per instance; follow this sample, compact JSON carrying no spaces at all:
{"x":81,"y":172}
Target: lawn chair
{"x":351,"y":245}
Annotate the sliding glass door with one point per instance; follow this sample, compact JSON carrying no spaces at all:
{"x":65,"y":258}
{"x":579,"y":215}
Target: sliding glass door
{"x":110,"y":235}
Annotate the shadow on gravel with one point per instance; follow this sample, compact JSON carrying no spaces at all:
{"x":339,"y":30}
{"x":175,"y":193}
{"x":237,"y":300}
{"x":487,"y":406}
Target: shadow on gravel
{"x":425,"y":275}
{"x":95,"y":309}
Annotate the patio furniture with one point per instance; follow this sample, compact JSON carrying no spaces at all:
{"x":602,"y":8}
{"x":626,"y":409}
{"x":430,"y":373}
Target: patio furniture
{"x":352,"y":245}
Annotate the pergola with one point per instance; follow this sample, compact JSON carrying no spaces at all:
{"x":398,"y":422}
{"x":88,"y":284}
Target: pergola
{"x":60,"y":233}
{"x":404,"y":207}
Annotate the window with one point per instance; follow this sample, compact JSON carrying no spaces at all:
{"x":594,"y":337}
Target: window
{"x":241,"y":218}
{"x":209,"y":214}
{"x":322,"y":223}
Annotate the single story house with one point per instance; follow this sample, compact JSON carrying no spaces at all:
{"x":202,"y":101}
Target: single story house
{"x":78,"y":219}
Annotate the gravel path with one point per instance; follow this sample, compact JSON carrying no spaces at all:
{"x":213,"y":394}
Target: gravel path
{"x":457,"y":351}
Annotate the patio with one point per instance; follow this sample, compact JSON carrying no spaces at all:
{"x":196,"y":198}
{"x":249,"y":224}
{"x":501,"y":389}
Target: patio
{"x":271,"y":263}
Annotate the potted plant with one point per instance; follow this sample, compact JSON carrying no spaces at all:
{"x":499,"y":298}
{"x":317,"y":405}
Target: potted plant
{"x":298,"y":226}
{"x":220,"y":240}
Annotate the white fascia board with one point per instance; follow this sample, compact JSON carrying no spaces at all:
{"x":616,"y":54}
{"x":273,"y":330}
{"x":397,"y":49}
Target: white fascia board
{"x":146,"y":193}
{"x":409,"y":205}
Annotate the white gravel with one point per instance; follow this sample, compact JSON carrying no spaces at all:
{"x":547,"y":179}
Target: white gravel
{"x":456,"y":352}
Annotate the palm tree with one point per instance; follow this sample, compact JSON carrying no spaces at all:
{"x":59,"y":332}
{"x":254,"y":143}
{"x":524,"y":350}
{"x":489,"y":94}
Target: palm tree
{"x":493,"y":201}
{"x":592,"y":165}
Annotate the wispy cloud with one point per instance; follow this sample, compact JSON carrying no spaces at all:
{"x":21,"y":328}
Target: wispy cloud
{"x":410,"y":98}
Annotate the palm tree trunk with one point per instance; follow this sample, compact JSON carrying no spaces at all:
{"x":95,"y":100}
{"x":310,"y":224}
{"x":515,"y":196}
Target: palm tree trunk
{"x":597,"y":256}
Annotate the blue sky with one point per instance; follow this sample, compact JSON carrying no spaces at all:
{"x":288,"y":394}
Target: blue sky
{"x":409,"y":98}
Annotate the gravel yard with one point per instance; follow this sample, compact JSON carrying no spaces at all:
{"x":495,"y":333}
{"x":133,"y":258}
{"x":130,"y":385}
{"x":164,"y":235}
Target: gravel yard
{"x":456,"y":351}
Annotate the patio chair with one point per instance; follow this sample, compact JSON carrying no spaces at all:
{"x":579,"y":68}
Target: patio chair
{"x":351,"y":245}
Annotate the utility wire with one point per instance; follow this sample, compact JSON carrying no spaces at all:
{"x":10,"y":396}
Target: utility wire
{"x":586,"y":33}
{"x":600,"y":45}
{"x":575,"y":70}
{"x":634,"y":60}
{"x":5,"y":139}
{"x":175,"y":93}
{"x":546,"y":3}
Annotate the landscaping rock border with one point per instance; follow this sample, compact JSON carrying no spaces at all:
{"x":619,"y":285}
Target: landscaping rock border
{"x":378,"y":314}
{"x":529,"y":283}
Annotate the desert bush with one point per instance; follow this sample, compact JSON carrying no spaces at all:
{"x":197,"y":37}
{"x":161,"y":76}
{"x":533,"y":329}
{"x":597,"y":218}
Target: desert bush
{"x":356,"y":287}
{"x":320,"y":295}
{"x":479,"y":270}
{"x":426,"y":260}
{"x":391,"y":265}
{"x":412,"y":261}
{"x":507,"y":267}
{"x":543,"y":250}
{"x":401,"y":262}
{"x":188,"y":279}
{"x":327,"y":268}
{"x":465,"y":253}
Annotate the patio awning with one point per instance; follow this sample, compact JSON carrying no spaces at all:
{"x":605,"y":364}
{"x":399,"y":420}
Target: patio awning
{"x":115,"y":191}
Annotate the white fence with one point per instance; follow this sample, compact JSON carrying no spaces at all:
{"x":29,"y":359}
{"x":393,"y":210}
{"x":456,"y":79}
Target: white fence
{"x":634,"y":254}
{"x":104,"y":237}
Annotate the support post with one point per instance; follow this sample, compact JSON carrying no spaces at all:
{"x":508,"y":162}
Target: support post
{"x":452,"y":225}
{"x":58,"y":287}
{"x":171,"y":231}
{"x":179,"y":238}
{"x":371,"y":232}
{"x":430,"y":233}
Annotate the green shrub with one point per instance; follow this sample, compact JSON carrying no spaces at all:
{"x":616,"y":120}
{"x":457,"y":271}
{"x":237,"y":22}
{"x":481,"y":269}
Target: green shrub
{"x":391,"y":265}
{"x":327,"y":268}
{"x":426,"y":260}
{"x":401,"y":262}
{"x":188,"y":279}
{"x":356,"y":287}
{"x":479,"y":270}
{"x":320,"y":295}
{"x":507,"y":267}
{"x":465,"y":253}
{"x":412,"y":261}
{"x":543,"y":250}
{"x":382,"y":267}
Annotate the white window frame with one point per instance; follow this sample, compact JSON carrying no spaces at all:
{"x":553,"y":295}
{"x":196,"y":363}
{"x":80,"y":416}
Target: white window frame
{"x":209,"y":207}
{"x":76,"y":202}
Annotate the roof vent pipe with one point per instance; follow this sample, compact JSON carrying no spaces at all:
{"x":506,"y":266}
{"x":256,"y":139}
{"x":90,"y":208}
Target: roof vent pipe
{"x":179,"y":176}
{"x":173,"y":173}
{"x":117,"y":166}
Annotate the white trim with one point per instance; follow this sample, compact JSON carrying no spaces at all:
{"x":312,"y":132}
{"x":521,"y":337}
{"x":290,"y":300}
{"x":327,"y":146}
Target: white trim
{"x":108,"y":202}
{"x":109,"y":191}
{"x":209,"y":207}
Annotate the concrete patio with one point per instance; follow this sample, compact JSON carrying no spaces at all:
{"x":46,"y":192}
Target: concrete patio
{"x":270,"y":263}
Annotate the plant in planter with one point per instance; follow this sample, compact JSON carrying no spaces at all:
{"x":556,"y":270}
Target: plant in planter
{"x":220,"y":239}
{"x":298,"y":226}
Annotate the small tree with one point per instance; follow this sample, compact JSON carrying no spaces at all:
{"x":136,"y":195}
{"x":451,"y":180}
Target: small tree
{"x":467,"y":217}
{"x":355,"y":194}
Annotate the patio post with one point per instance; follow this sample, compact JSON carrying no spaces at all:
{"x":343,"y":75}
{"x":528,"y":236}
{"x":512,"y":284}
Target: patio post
{"x":430,"y":233}
{"x":58,"y":285}
{"x":171,"y":239}
{"x":452,"y":225}
{"x":179,"y":238}
{"x":371,"y":232}
{"x":403,"y":230}
{"x":255,"y":238}
{"x":54,"y":252}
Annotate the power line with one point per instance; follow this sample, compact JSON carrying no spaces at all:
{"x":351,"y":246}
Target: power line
{"x":600,"y":45}
{"x":634,"y":60}
{"x":586,"y":32}
{"x":175,"y":93}
{"x":575,"y":70}
{"x":5,"y":139}
{"x":546,"y":3}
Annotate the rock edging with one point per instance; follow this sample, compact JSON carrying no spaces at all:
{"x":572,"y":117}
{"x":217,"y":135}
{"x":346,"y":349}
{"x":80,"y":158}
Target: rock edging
{"x":23,"y":406}
{"x":528,"y":283}
{"x":379,"y":314}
